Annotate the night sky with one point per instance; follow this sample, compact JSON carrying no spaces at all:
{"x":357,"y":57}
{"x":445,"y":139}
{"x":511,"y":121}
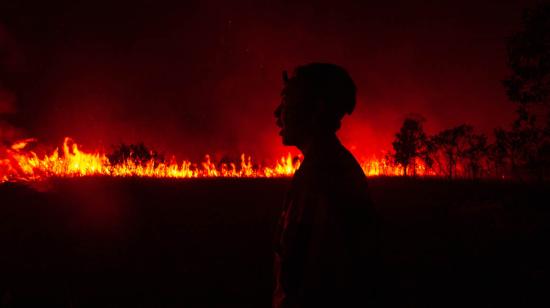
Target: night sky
{"x":205,"y":76}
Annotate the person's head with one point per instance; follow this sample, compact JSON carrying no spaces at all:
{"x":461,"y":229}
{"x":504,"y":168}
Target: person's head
{"x":314,"y":101}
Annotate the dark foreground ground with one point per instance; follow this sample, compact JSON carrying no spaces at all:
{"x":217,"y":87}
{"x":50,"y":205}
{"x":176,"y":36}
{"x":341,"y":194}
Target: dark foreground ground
{"x":103,"y":242}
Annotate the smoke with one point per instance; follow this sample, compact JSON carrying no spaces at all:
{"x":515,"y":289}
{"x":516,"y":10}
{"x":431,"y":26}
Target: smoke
{"x":7,"y":102}
{"x":9,"y":60}
{"x":204,"y":77}
{"x":7,"y":108}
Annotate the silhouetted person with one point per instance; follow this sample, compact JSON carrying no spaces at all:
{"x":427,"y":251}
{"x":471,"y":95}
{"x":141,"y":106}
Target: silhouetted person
{"x":326,"y":238}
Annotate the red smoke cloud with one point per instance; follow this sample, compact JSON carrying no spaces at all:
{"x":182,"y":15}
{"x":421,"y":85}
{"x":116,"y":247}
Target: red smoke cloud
{"x":205,"y":78}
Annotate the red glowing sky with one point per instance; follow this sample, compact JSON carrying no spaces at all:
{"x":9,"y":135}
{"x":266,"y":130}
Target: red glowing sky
{"x":205,"y":76}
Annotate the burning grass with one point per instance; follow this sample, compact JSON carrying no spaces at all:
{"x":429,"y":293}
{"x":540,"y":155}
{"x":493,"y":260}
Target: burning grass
{"x":20,"y":163}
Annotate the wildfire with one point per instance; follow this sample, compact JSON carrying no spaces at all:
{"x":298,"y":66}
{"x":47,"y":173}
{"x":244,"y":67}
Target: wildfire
{"x":17,"y":163}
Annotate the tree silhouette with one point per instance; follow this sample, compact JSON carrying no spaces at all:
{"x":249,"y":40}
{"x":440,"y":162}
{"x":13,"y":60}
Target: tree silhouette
{"x":451,"y":144}
{"x":475,"y":153}
{"x":497,"y":156}
{"x":410,"y":144}
{"x":529,"y":58}
{"x":528,"y":141}
{"x":524,"y":147}
{"x":136,"y":153}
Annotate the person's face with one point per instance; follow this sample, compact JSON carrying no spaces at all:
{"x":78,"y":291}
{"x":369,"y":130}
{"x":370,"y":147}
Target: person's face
{"x":292,"y":118}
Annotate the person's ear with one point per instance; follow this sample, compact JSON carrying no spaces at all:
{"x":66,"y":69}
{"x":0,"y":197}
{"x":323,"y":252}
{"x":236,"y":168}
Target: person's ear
{"x":321,"y":107}
{"x":319,"y":111}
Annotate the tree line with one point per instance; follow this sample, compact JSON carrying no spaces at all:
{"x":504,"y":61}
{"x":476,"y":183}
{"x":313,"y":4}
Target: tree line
{"x":521,"y":150}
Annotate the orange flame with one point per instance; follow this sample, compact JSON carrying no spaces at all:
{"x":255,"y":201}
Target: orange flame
{"x":19,"y":164}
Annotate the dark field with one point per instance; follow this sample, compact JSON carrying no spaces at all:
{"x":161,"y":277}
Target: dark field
{"x":104,"y":242}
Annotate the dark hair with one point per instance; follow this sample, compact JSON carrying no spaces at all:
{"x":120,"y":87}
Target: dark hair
{"x":327,"y":82}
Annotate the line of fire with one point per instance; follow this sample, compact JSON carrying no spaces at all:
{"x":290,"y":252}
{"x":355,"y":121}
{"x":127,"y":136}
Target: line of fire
{"x":274,"y":153}
{"x":459,"y":152}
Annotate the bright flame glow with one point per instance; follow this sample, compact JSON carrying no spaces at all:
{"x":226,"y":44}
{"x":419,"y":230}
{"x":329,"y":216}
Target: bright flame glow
{"x":19,"y":164}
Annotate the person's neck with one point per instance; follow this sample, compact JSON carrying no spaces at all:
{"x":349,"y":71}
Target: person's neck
{"x":316,"y":140}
